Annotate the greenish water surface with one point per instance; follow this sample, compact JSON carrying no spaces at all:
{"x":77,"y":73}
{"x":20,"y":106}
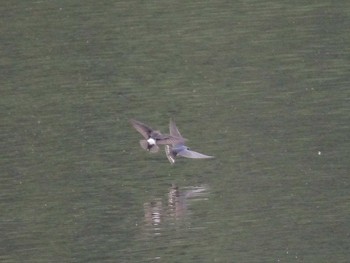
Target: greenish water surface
{"x":261,"y":85}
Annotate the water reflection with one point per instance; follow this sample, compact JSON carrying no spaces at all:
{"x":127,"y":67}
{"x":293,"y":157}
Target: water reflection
{"x":160,"y":214}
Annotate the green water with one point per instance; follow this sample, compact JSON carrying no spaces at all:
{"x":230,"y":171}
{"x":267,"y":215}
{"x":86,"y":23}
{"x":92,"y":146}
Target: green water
{"x":262,"y":86}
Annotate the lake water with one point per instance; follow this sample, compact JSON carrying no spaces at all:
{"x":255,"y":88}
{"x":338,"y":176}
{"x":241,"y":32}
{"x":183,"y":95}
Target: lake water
{"x":261,"y":85}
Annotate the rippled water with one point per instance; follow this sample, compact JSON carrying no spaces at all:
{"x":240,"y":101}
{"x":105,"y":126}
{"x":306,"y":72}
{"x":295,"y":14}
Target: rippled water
{"x":262,"y":86}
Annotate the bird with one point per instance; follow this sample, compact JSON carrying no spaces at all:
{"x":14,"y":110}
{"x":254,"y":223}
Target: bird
{"x":179,"y":148}
{"x":152,"y":137}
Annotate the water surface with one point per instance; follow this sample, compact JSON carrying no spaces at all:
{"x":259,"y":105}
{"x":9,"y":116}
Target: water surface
{"x":262,"y":86}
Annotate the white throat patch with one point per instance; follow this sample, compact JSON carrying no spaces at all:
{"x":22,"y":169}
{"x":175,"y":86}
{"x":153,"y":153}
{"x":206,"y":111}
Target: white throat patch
{"x":151,"y":141}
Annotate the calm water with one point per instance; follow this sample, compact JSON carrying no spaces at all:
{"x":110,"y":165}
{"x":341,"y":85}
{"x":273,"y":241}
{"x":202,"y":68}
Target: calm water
{"x":262,"y":86}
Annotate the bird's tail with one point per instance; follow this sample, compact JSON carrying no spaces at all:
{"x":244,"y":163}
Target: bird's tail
{"x":148,"y":147}
{"x":169,"y":154}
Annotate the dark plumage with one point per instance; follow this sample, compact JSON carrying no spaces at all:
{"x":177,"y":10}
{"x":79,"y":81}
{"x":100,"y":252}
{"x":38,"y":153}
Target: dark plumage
{"x":152,"y":137}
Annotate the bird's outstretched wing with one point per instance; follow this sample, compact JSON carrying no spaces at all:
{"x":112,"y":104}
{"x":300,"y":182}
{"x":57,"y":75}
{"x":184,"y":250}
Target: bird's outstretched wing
{"x":169,"y":140}
{"x":174,"y":131}
{"x":141,"y":128}
{"x":193,"y":155}
{"x":169,"y":154}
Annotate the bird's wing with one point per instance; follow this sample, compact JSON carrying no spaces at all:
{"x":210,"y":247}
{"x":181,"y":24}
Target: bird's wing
{"x":170,"y":140}
{"x":174,"y":130}
{"x":141,"y":128}
{"x":175,"y":133}
{"x":193,"y":154}
{"x":169,"y":154}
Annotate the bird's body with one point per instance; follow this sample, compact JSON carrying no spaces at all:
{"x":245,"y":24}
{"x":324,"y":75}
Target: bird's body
{"x":179,"y":148}
{"x":152,"y":137}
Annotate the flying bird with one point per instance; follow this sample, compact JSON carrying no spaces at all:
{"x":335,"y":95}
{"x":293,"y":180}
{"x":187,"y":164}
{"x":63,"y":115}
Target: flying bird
{"x":152,"y":137}
{"x":179,"y":148}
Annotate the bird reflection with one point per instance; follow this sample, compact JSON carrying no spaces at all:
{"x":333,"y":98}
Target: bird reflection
{"x":159,"y":214}
{"x":153,"y":212}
